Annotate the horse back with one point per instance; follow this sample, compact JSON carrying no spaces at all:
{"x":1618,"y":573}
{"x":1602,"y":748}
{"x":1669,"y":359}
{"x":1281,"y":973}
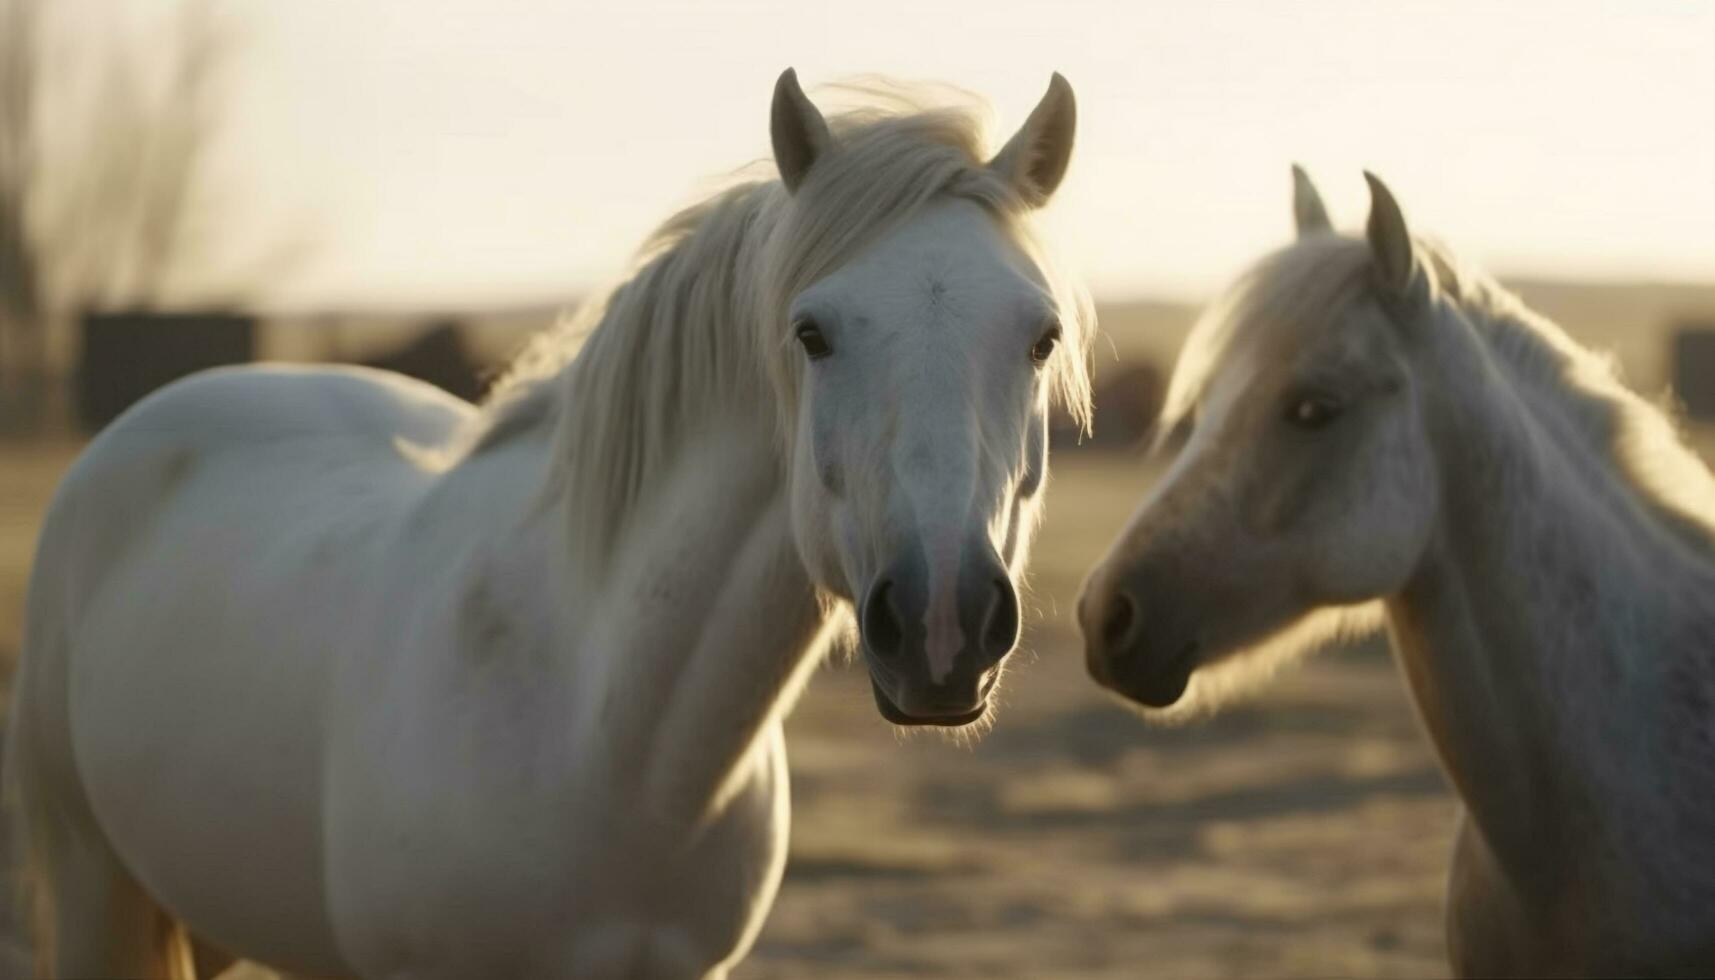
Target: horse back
{"x":243,"y":406}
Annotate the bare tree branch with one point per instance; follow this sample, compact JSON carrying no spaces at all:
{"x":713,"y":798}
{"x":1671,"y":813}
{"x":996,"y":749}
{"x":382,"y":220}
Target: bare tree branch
{"x":19,"y":289}
{"x":103,"y":152}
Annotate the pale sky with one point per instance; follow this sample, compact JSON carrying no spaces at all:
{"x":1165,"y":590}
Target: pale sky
{"x":465,"y":151}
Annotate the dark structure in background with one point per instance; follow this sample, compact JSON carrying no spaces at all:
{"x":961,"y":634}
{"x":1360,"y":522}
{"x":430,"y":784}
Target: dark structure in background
{"x":1128,"y":399}
{"x":1694,"y":368}
{"x":124,"y":356}
{"x":440,"y":356}
{"x":129,"y":354}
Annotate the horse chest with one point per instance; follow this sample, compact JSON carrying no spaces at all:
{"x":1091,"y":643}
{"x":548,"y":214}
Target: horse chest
{"x":482,"y":847}
{"x":1602,"y":915}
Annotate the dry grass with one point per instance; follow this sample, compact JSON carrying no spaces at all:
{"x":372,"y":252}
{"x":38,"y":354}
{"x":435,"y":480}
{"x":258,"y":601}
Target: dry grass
{"x":28,"y":474}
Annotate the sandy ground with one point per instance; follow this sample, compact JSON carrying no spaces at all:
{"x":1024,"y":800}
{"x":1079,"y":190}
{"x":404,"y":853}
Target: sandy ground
{"x":1304,"y":833}
{"x":1301,"y":834}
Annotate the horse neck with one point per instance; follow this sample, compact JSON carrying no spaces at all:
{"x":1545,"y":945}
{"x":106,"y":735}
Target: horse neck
{"x":691,"y":621}
{"x":665,"y":668}
{"x":1540,"y":632}
{"x":704,"y":626}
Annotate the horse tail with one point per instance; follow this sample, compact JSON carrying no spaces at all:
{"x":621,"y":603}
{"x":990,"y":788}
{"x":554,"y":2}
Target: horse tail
{"x":36,"y":719}
{"x":29,"y":824}
{"x":58,"y":861}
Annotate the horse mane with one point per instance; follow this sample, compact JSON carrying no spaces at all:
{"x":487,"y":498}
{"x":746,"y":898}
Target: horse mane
{"x":700,"y":324}
{"x":1312,"y":281}
{"x":1641,"y":439}
{"x":1293,"y":290}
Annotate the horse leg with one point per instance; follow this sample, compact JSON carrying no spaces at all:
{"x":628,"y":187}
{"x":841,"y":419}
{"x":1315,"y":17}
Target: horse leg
{"x":211,"y":961}
{"x":105,"y":925}
{"x":89,"y":916}
{"x":1486,"y":924}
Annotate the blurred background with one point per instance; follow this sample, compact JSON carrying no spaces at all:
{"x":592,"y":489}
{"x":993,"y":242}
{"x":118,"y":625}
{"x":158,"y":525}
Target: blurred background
{"x":422,"y":186}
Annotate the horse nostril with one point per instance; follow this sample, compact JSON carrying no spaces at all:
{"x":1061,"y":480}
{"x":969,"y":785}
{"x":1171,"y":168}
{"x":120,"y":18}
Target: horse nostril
{"x":883,"y":632}
{"x":1000,"y":630}
{"x":1117,"y":620}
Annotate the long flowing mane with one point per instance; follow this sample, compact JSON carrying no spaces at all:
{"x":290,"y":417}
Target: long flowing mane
{"x":1640,"y":439}
{"x":1312,"y":282}
{"x":700,"y":325}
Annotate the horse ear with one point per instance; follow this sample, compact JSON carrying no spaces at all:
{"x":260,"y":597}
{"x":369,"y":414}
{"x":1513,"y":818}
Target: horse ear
{"x":1034,"y":161}
{"x":1397,"y":266}
{"x":800,"y":133}
{"x":1307,"y":210}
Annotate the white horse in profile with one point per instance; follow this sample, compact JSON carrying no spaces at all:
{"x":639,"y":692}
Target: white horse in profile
{"x":331,"y":671}
{"x":1370,"y":420}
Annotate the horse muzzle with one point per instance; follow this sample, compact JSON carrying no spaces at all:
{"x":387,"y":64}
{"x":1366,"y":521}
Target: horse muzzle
{"x":1137,"y":649}
{"x":934,"y":648}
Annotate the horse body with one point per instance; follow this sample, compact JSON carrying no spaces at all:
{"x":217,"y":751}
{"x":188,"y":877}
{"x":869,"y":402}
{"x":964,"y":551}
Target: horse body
{"x":372,"y":825}
{"x":620,"y":743}
{"x":335,"y":672}
{"x":209,"y":487}
{"x":1570,"y":706}
{"x":1380,"y":434}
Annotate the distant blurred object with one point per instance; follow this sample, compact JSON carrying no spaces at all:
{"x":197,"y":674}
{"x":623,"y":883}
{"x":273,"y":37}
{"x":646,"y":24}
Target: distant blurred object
{"x":1694,"y":368}
{"x":1127,"y":399}
{"x":20,"y":295}
{"x":127,"y":355}
{"x":106,"y":200}
{"x":440,"y":356}
{"x":33,"y":404}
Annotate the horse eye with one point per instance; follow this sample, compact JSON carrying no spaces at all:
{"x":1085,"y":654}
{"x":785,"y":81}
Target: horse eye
{"x":1045,"y":344}
{"x":810,"y":338}
{"x":1312,"y":411}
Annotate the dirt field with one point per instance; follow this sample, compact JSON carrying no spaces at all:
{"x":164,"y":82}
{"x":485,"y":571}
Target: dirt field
{"x":1301,"y":835}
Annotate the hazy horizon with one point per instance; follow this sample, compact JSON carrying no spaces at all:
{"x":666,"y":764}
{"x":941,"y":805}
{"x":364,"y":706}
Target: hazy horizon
{"x":467,"y":153}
